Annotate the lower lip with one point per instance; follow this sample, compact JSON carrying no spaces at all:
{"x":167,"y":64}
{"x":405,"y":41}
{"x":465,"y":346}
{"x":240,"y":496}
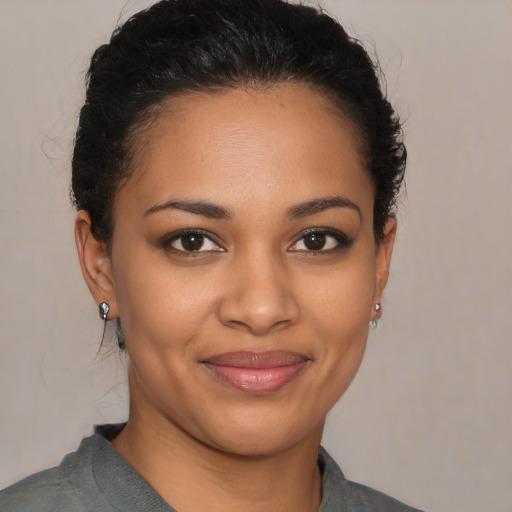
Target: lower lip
{"x":256,"y":381}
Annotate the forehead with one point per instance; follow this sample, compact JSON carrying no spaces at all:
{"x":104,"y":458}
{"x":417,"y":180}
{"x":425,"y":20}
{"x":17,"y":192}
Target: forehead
{"x":218,"y":145}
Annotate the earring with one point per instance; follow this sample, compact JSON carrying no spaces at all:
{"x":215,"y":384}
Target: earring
{"x":375,"y":321}
{"x":104,"y":308}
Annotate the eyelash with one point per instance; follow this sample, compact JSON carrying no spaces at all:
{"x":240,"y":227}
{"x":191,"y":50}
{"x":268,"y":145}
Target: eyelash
{"x":341,"y":239}
{"x":166,"y":242}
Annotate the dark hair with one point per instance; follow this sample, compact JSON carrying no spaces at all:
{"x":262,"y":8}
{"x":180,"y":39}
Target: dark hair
{"x":179,"y":46}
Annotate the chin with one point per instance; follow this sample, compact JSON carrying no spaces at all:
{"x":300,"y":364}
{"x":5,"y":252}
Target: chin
{"x":262,"y":439}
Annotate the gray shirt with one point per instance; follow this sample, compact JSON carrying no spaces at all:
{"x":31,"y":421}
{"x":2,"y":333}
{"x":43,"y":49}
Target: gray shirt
{"x":96,"y":478}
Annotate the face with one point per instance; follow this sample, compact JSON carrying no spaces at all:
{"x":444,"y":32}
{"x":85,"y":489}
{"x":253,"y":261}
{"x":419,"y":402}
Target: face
{"x":244,"y":267}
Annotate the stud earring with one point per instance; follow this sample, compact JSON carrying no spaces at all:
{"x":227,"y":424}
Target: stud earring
{"x":375,"y":321}
{"x":104,"y":308}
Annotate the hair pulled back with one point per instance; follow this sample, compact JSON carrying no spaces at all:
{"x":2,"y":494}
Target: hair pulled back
{"x":180,"y":46}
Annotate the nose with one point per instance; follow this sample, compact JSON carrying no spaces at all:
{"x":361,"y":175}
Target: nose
{"x":260,"y":298}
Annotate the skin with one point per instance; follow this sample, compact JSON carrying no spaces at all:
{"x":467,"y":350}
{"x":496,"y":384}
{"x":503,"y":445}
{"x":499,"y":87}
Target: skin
{"x":256,"y":286}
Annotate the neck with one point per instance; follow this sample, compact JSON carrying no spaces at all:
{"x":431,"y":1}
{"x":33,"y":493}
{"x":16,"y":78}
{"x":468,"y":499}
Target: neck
{"x":176,"y":465}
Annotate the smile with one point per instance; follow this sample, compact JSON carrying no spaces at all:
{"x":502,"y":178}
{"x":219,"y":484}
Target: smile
{"x":256,"y":372}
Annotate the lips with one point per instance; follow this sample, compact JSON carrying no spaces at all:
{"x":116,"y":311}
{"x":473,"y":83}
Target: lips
{"x":256,"y":372}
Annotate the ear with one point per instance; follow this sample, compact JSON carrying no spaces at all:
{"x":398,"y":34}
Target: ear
{"x":95,"y":263}
{"x":382,"y":263}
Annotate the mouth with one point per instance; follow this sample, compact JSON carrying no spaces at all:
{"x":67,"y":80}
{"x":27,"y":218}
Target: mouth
{"x":256,"y":372}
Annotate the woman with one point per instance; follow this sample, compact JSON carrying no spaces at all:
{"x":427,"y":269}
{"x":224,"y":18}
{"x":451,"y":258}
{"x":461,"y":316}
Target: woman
{"x":235,"y":170}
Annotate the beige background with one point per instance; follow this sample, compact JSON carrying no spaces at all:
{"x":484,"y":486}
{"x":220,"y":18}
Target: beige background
{"x":428,"y":419}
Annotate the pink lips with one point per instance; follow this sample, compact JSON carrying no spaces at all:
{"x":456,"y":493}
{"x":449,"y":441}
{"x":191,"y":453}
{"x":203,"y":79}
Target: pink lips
{"x":256,"y":372}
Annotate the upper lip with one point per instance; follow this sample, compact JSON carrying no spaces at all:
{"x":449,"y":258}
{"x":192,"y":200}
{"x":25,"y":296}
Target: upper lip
{"x":249,"y":359}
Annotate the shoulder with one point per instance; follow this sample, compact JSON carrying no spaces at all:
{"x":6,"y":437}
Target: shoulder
{"x":378,"y":501}
{"x":47,"y":491}
{"x":342,"y":495}
{"x":69,"y":487}
{"x":94,"y":478}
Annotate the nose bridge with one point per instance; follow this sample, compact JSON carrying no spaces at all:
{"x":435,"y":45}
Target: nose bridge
{"x":261,"y":297}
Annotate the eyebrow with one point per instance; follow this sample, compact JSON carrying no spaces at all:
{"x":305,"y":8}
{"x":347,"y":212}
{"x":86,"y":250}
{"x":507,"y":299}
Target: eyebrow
{"x":210,"y":210}
{"x":319,"y":205}
{"x":214,"y":211}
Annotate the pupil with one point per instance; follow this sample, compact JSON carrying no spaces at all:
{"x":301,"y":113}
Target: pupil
{"x":315,"y":241}
{"x":192,"y":242}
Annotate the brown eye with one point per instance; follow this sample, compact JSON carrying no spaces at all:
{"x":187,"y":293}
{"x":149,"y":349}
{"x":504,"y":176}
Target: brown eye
{"x":315,"y":241}
{"x":321,"y":240}
{"x":192,"y":242}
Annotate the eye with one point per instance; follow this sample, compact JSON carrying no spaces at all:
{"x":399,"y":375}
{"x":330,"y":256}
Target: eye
{"x":191,"y":241}
{"x":321,"y":240}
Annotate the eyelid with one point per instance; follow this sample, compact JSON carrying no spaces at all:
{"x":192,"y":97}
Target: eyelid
{"x":166,"y":241}
{"x":343,"y":240}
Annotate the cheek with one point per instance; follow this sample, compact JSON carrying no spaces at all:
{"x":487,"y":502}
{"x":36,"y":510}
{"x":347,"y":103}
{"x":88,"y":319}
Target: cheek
{"x":338,"y":311}
{"x":163,"y":310}
{"x":341,"y":299}
{"x":159,"y":304}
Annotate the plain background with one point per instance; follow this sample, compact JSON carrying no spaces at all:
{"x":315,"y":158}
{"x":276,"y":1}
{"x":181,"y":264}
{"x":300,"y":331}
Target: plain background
{"x":428,"y":419}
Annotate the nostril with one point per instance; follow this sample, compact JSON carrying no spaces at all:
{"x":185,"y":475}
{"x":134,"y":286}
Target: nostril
{"x":258,"y":328}
{"x":258,"y":318}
